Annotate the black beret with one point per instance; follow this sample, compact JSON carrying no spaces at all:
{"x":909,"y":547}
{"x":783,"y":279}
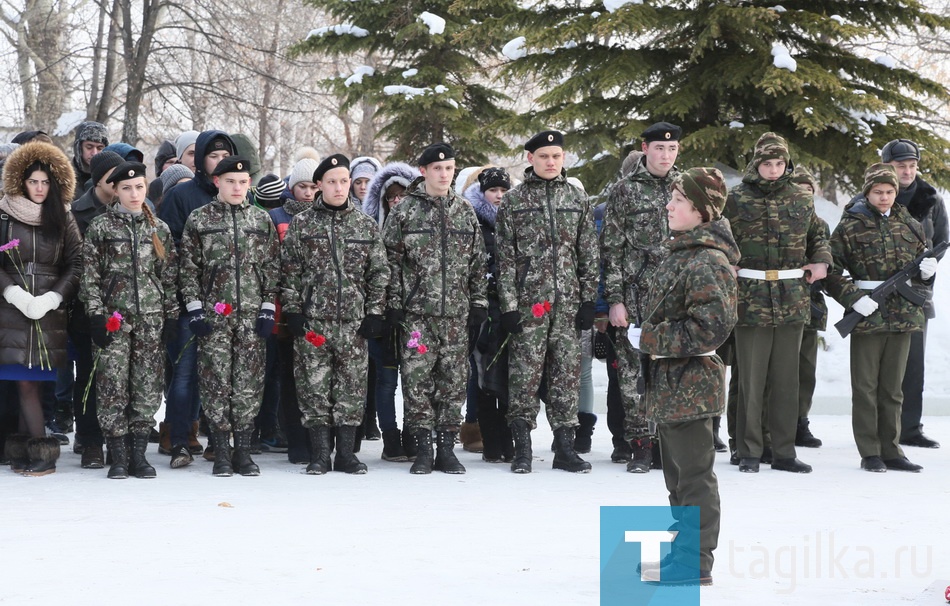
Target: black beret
{"x":547,"y":138}
{"x":232,"y":164}
{"x":101,"y":163}
{"x":329,"y":163}
{"x":126,"y":171}
{"x":900,"y":149}
{"x":493,"y":177}
{"x":437,"y":152}
{"x":662,"y":131}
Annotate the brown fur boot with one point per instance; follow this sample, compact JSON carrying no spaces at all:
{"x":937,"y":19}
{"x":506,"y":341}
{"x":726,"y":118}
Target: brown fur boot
{"x":43,"y":454}
{"x":471,"y":437}
{"x":15,"y":451}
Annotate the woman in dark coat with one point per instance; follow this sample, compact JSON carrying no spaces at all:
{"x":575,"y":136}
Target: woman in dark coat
{"x":39,"y":269}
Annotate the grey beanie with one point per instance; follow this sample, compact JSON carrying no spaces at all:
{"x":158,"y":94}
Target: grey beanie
{"x":363,"y":167}
{"x":173,"y":174}
{"x":185,"y":139}
{"x":303,"y":171}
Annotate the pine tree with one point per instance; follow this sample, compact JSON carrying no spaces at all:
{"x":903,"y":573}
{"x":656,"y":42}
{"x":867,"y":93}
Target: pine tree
{"x":726,"y":71}
{"x":428,"y":86}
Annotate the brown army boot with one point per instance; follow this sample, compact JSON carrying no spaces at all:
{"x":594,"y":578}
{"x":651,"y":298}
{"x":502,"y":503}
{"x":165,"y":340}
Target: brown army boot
{"x":564,"y":456}
{"x":138,"y":465}
{"x":319,"y":450}
{"x":241,"y":461}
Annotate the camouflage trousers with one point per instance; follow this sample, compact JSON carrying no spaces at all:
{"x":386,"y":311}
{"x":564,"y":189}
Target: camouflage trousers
{"x":434,"y":382}
{"x":129,"y":377}
{"x":231,"y":373}
{"x":635,"y":424}
{"x":550,"y":346}
{"x":331,"y":379}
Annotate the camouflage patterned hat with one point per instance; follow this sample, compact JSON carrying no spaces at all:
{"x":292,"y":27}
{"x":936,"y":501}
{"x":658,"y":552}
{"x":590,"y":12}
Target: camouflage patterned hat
{"x":705,"y":188}
{"x":801,"y":176}
{"x":771,"y":147}
{"x":880,"y":173}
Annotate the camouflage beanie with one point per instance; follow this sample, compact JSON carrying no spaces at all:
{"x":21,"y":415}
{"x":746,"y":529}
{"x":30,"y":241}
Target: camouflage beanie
{"x":770,"y":147}
{"x":705,"y":188}
{"x":880,"y":173}
{"x":801,"y":176}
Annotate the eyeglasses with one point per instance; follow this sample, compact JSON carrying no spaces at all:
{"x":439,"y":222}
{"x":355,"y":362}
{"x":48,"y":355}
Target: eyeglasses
{"x":394,"y":197}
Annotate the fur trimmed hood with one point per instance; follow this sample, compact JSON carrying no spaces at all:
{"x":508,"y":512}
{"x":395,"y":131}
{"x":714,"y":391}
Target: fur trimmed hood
{"x":27,"y":154}
{"x":483,"y":208}
{"x":395,"y":172}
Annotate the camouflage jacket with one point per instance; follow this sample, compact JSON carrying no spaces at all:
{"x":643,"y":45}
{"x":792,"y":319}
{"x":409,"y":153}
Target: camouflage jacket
{"x":229,"y":254}
{"x":692,"y":310}
{"x":634,"y":237}
{"x":121,"y":270}
{"x":436,"y":255}
{"x":776,"y":227}
{"x":818,"y":319}
{"x":546,"y":246}
{"x":870,"y":246}
{"x":333,"y":265}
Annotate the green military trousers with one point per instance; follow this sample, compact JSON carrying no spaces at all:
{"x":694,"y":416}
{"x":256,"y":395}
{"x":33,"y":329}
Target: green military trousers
{"x":878,"y":362}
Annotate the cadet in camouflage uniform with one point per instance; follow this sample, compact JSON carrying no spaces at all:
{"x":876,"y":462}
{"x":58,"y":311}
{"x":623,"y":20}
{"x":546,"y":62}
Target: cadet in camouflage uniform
{"x":633,"y":245}
{"x":130,"y":269}
{"x":873,"y":241}
{"x":228,"y":277}
{"x":334,"y":278}
{"x":692,"y":310}
{"x":784,"y":250}
{"x":437,"y":287}
{"x":546,"y":251}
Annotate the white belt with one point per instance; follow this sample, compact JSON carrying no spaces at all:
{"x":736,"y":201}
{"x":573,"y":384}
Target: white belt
{"x":771,"y":274}
{"x":702,"y":355}
{"x":868,"y":284}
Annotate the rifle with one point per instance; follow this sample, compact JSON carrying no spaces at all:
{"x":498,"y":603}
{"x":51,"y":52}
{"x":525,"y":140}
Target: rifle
{"x":899,"y":283}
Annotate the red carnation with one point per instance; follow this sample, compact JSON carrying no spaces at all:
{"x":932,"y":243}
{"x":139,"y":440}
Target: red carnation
{"x":547,"y":306}
{"x":113,"y":324}
{"x":315,"y":339}
{"x":537,"y":310}
{"x":227,"y":309}
{"x":422,"y":349}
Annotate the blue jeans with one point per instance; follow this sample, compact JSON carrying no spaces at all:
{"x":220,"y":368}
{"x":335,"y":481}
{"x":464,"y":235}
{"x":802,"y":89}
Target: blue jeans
{"x":385,"y":388}
{"x":182,"y":401}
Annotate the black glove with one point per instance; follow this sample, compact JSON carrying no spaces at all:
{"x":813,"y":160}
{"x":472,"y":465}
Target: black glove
{"x":265,"y":321}
{"x":511,"y":322}
{"x":97,"y":330}
{"x":395,"y":318}
{"x":372,"y":326}
{"x":198,"y":324}
{"x":584,"y":320}
{"x":170,"y":330}
{"x":296,"y":324}
{"x":477,"y":316}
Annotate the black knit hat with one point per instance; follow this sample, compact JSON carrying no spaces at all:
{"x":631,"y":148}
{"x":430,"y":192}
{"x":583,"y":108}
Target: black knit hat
{"x":126,"y":171}
{"x":328,"y":164}
{"x":493,"y":177}
{"x":101,"y":163}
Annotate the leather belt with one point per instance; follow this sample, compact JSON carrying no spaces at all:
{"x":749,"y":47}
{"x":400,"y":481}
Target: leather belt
{"x":771,"y":275}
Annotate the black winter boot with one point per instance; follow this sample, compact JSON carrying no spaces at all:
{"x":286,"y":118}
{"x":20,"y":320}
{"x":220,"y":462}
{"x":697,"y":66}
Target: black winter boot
{"x":409,"y":444}
{"x":222,"y":454}
{"x":491,"y":438}
{"x":138,"y":465}
{"x":641,"y":457}
{"x":345,"y":460}
{"x":423,"y":462}
{"x":370,"y":428}
{"x":43,"y":453}
{"x":15,"y":450}
{"x":241,"y":461}
{"x":657,"y":462}
{"x":521,"y":434}
{"x":392,"y":446}
{"x":507,"y":444}
{"x":119,"y":452}
{"x":583,"y":434}
{"x":564,"y":456}
{"x":445,"y":459}
{"x":717,"y":442}
{"x":320,"y":448}
{"x":804,"y":437}
{"x":621,"y":452}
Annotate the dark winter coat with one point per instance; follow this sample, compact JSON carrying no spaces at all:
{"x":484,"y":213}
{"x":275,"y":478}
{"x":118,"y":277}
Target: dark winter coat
{"x":87,"y":208}
{"x":48,"y":264}
{"x":925,"y":204}
{"x":397,"y":172}
{"x":186,"y":197}
{"x":870,"y":246}
{"x":692,"y":310}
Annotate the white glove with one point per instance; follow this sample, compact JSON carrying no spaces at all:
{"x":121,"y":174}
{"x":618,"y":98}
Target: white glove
{"x":43,"y":304}
{"x":633,"y":334}
{"x":865,"y":306}
{"x":928,"y":267}
{"x":17,"y":297}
